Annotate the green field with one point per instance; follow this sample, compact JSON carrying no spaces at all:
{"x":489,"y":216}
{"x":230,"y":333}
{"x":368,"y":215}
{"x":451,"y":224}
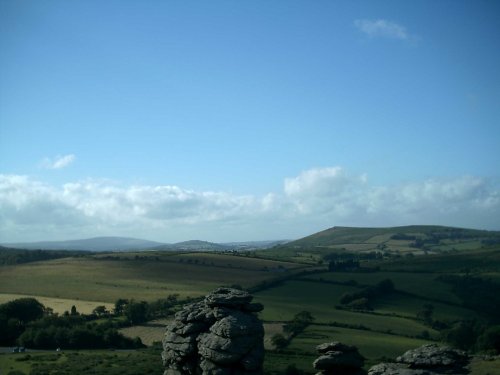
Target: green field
{"x":283,"y":302}
{"x":421,"y":284}
{"x":95,"y":362}
{"x":107,"y":280}
{"x":372,"y":345}
{"x":478,"y":261}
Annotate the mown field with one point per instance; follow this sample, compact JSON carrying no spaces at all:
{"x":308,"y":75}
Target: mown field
{"x":59,"y":305}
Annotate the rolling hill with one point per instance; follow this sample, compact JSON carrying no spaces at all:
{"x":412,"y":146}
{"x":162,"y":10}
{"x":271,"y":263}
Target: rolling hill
{"x":92,"y":244}
{"x":400,"y":241}
{"x":341,"y":235}
{"x":135,"y":244}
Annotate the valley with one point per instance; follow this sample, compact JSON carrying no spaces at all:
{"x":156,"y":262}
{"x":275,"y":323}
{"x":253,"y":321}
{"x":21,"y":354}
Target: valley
{"x":340,"y":276}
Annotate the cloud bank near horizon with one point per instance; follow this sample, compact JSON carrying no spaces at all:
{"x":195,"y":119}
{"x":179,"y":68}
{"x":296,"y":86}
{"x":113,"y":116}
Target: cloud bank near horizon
{"x":318,"y":198}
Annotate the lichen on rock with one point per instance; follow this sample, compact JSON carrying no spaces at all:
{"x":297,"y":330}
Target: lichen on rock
{"x":338,"y":358}
{"x":220,"y":335}
{"x":429,"y":359}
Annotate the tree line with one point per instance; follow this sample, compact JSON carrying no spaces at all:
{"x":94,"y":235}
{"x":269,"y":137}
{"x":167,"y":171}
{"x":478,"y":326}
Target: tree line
{"x":10,"y":256}
{"x":27,"y":322}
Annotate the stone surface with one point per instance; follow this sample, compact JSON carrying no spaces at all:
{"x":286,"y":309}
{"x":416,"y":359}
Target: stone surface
{"x":335,"y":346}
{"x":396,"y":369}
{"x":338,"y":358}
{"x":219,"y":336}
{"x":432,"y":356}
{"x":430,"y":359}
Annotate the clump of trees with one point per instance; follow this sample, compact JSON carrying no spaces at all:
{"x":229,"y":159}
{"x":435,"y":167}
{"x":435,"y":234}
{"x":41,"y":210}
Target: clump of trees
{"x":29,"y":323}
{"x":363,"y":299}
{"x":15,"y":317}
{"x":139,"y":312}
{"x":18,"y":256}
{"x":343,"y":265}
{"x":291,"y":329}
{"x":75,"y":332}
{"x":478,"y":294}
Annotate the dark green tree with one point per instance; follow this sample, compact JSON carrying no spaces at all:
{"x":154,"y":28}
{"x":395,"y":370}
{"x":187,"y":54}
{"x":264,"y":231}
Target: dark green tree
{"x":100,"y":311}
{"x":489,"y":340}
{"x":279,"y":341}
{"x":23,"y":309}
{"x":120,"y":306}
{"x":136,"y":312}
{"x":426,"y":313}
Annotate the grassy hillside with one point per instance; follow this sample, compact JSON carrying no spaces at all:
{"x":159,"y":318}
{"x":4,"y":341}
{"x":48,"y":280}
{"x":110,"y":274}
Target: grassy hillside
{"x":106,"y":280}
{"x":414,"y":238}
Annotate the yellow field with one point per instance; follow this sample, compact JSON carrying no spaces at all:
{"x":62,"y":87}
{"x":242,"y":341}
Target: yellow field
{"x":59,"y":305}
{"x":148,"y":332}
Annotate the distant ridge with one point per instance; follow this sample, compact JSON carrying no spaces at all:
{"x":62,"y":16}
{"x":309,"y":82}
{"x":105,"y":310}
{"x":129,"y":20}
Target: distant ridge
{"x":343,"y":235}
{"x":136,"y":244}
{"x":192,"y":245}
{"x":91,"y":244}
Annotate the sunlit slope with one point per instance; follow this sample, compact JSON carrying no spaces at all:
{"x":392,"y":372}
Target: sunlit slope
{"x":404,"y":238}
{"x":107,"y":280}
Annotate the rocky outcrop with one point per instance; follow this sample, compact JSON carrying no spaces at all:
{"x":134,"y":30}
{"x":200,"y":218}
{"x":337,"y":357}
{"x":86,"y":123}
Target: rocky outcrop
{"x":338,"y":358}
{"x":430,"y":359}
{"x":219,"y":336}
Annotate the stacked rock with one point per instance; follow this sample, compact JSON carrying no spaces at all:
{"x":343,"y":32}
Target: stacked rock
{"x":338,"y":358}
{"x":430,"y":359}
{"x":219,"y":336}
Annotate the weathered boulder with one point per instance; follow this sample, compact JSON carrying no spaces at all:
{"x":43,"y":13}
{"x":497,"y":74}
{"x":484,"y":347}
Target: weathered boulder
{"x":430,"y":359}
{"x":338,"y":358}
{"x":396,"y":369}
{"x":220,"y":335}
{"x":433,"y":356}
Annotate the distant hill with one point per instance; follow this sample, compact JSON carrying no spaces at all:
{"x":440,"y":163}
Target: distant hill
{"x":134,"y":244}
{"x":250,"y":245}
{"x":404,"y":238}
{"x":92,"y":244}
{"x":192,"y":245}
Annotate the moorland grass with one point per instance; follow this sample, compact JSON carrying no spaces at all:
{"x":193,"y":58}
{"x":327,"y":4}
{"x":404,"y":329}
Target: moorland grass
{"x":224,"y":260}
{"x":108,"y":280}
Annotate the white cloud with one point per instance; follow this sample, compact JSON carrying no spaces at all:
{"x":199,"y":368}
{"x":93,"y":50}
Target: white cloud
{"x":59,"y":162}
{"x":315,"y":199}
{"x":381,"y":28}
{"x":323,"y":190}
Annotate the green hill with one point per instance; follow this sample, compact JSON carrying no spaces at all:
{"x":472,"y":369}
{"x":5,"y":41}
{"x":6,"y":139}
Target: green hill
{"x":405,"y":239}
{"x":343,"y":235}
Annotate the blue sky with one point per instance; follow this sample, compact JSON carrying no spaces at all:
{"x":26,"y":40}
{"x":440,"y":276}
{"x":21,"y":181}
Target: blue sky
{"x":246,"y":120}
